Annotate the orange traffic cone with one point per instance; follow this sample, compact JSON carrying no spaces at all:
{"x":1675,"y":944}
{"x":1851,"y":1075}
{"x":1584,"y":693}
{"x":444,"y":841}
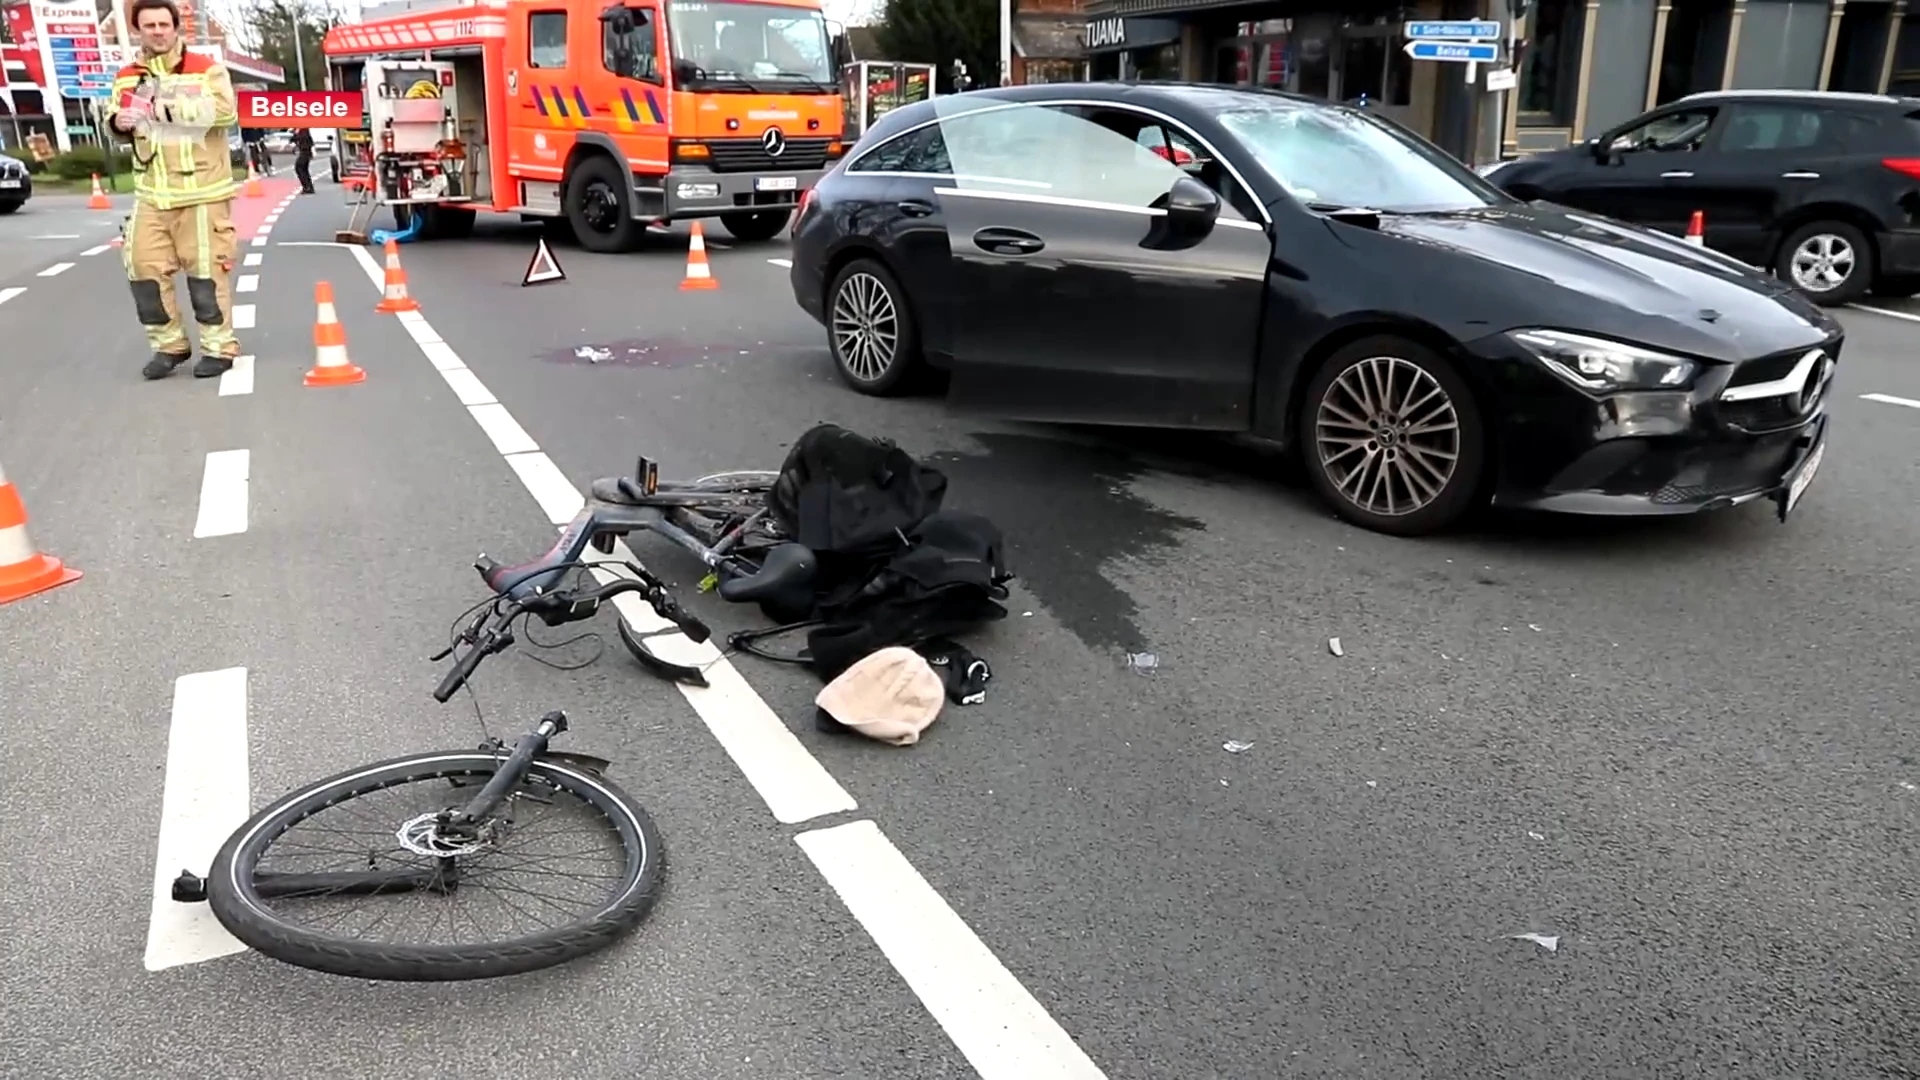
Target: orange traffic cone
{"x":1697,"y":229}
{"x":23,"y":570}
{"x":252,"y":189}
{"x":699,"y":275}
{"x":396,"y":298}
{"x":330,"y":364}
{"x":99,"y":199}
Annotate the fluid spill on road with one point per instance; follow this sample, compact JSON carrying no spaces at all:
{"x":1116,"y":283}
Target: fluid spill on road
{"x":1066,"y":512}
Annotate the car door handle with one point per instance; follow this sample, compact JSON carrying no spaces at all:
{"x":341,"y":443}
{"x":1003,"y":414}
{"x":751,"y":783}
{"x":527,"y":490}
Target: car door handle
{"x":915,"y":207}
{"x":1007,"y":241}
{"x":1676,"y":176}
{"x":1800,"y":176}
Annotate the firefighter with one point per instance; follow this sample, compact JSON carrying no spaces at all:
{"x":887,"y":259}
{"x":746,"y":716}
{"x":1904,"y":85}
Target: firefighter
{"x":303,"y":159}
{"x":176,"y":107}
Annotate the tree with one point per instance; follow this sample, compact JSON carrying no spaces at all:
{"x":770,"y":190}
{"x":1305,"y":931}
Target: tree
{"x":939,"y":32}
{"x":270,"y":26}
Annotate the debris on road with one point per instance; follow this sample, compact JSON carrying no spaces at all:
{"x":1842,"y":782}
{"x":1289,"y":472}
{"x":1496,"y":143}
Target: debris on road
{"x":592,"y":355}
{"x":1143,"y":663}
{"x":1235,"y":746}
{"x":1535,"y":835}
{"x":1333,"y":646}
{"x":1549,"y":942}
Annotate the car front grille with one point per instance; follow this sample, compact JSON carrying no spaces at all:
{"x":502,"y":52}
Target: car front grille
{"x":749,"y":155}
{"x":1799,"y":404}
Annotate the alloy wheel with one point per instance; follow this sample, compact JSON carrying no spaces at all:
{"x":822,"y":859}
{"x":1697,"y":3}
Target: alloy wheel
{"x":1388,"y":436}
{"x":866,"y":327}
{"x":1822,"y":263}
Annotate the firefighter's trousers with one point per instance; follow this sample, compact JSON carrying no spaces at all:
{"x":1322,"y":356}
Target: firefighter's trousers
{"x":199,"y":240}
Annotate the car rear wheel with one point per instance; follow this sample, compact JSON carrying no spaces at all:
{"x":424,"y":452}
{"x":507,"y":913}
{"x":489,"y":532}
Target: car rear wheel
{"x":1830,"y":261}
{"x":1391,"y":436}
{"x":870,"y":329}
{"x":754,"y":226}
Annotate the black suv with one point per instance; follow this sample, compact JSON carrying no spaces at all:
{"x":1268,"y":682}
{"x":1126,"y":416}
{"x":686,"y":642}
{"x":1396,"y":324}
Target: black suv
{"x":16,"y":187}
{"x":1821,"y":188}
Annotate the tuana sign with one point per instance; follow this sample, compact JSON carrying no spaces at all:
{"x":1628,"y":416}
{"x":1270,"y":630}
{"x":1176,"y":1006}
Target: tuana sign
{"x":1111,"y":33}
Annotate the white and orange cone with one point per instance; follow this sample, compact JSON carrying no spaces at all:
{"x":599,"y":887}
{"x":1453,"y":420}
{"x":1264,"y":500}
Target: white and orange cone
{"x":252,"y":189}
{"x":699,"y":274}
{"x":396,"y":297}
{"x":1697,"y":229}
{"x":330,"y":364}
{"x":99,"y":200}
{"x":24,"y":571}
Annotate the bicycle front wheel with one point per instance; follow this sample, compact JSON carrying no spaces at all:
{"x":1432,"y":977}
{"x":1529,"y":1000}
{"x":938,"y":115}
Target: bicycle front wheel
{"x":380,"y":862}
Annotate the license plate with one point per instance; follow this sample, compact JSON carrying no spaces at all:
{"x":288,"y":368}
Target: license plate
{"x":1800,"y":483}
{"x":9,"y":183}
{"x":776,"y":183}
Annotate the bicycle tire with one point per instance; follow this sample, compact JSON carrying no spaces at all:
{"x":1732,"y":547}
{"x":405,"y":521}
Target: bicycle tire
{"x":258,"y":928}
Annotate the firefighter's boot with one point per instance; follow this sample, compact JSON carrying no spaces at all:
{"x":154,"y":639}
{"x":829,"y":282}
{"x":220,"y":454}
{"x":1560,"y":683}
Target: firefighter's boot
{"x":212,"y":366}
{"x":162,"y":364}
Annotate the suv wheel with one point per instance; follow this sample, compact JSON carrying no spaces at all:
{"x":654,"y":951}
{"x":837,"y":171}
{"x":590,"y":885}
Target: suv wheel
{"x":1830,"y":261}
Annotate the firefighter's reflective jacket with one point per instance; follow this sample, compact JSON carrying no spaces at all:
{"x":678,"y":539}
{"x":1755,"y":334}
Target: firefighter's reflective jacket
{"x":180,"y":151}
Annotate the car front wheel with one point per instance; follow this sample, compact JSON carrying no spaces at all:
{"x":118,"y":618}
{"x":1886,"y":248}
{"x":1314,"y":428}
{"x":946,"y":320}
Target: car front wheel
{"x":870,"y":329}
{"x":1392,"y":438}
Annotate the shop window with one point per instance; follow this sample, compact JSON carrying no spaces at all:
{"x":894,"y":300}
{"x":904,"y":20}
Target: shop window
{"x":547,"y":39}
{"x":1550,"y":68}
{"x":643,"y":57}
{"x":1772,"y":127}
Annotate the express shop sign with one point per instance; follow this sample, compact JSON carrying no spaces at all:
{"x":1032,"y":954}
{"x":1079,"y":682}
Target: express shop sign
{"x":300,"y":108}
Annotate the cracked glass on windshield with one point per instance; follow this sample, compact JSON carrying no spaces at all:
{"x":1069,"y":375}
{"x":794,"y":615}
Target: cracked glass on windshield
{"x":1334,"y":157}
{"x":749,"y":45}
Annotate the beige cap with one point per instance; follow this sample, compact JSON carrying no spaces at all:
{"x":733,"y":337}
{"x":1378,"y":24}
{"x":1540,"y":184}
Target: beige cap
{"x":891,"y":695}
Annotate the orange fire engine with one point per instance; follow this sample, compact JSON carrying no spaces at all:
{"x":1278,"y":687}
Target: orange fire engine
{"x":607,"y":115}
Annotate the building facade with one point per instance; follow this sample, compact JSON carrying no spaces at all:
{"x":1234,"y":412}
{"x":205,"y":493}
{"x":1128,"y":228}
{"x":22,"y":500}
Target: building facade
{"x":1584,"y":67}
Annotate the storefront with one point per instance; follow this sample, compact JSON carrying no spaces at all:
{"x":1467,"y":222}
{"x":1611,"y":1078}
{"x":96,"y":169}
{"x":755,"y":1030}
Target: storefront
{"x":1124,"y":48}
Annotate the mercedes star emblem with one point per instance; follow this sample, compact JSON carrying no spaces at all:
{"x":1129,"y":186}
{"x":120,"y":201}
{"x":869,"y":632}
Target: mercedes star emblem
{"x":773,"y":141}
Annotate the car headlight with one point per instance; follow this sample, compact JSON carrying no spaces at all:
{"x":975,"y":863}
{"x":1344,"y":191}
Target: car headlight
{"x":1597,"y":365}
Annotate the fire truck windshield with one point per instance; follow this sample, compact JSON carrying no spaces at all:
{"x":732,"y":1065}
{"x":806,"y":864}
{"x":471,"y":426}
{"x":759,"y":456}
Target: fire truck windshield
{"x":745,"y":47}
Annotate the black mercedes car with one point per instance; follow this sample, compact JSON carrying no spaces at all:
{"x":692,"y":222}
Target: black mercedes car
{"x":16,"y":187}
{"x":1240,"y":260}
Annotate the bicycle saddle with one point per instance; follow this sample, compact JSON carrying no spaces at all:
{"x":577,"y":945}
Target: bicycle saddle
{"x":624,"y":490}
{"x":787,"y":569}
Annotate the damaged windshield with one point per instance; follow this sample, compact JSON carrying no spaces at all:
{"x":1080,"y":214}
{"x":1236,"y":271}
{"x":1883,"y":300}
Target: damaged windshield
{"x":1328,"y":156}
{"x":751,"y":47}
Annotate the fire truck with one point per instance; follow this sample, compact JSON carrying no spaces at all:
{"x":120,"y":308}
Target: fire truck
{"x":608,"y":116}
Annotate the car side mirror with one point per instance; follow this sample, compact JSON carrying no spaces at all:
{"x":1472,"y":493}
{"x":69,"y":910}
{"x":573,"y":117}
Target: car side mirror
{"x":1192,"y":207}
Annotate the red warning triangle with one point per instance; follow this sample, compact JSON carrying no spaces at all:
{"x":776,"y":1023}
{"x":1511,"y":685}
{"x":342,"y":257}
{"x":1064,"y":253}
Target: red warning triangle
{"x":544,"y":266}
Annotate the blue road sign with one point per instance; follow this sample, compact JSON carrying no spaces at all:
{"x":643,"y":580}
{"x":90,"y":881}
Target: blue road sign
{"x":1456,"y":29}
{"x":1462,"y":52}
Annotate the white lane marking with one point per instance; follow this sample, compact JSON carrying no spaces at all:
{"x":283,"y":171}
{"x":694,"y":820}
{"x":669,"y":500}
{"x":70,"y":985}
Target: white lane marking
{"x":58,"y":236}
{"x":243,"y":316}
{"x":1889,"y":399}
{"x":8,"y":294}
{"x":223,"y":495}
{"x":253,"y":258}
{"x":788,"y":263}
{"x":422,"y":331}
{"x":507,"y":434}
{"x":247,"y":283}
{"x":207,"y":796}
{"x":467,"y":387}
{"x":97,"y":249}
{"x":273,"y":217}
{"x":1002,"y":1030}
{"x":794,"y":785}
{"x":260,"y":241}
{"x":1888,"y":312}
{"x":321,"y":243}
{"x":238,"y":378}
{"x":56,"y":268}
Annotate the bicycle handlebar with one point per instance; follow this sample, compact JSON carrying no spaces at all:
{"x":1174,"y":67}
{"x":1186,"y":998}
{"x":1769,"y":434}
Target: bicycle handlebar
{"x":492,"y":630}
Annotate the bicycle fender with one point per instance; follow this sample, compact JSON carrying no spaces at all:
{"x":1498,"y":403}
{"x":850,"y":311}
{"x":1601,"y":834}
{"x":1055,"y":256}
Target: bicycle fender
{"x":598,"y":766}
{"x":666,"y":669}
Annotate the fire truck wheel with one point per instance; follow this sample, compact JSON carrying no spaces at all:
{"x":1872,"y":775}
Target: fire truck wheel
{"x":598,"y":208}
{"x":753,"y":227}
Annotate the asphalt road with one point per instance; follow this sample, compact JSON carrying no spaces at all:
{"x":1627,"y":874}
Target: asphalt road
{"x":1682,"y":750}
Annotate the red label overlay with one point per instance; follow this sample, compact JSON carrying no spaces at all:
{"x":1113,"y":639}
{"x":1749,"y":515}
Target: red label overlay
{"x":300,"y":108}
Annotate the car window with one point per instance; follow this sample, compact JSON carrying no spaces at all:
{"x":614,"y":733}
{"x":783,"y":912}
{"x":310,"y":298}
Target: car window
{"x":921,"y":151}
{"x":1769,"y":126}
{"x":1060,"y":151}
{"x":1178,"y":149}
{"x":1348,"y":158}
{"x":1680,"y":130}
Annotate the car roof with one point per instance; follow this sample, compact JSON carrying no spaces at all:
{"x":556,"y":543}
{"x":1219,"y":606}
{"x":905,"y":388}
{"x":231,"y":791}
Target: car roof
{"x":1153,"y":94}
{"x":1828,"y":97}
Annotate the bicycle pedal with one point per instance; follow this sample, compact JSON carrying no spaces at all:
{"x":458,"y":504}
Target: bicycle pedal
{"x":189,"y":888}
